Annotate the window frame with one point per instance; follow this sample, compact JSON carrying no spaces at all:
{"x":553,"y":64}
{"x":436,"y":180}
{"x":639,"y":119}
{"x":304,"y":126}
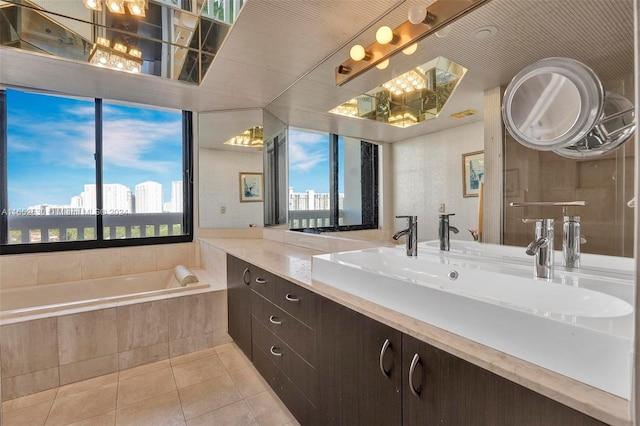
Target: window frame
{"x":369,"y":155}
{"x":99,"y":242}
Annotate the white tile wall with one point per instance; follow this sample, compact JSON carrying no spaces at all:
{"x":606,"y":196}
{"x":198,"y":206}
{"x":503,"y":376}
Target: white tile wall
{"x":49,"y":268}
{"x":427,"y":172}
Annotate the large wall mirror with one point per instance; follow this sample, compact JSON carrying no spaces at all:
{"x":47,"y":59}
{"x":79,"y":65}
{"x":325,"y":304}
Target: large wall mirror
{"x":230,"y":158}
{"x":494,"y":43}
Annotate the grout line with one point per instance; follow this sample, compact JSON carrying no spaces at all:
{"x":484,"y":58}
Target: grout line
{"x":173,"y":374}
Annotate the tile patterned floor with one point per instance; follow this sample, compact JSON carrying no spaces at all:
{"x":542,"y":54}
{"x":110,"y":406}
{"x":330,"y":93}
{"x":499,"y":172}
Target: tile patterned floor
{"x":216,"y":386}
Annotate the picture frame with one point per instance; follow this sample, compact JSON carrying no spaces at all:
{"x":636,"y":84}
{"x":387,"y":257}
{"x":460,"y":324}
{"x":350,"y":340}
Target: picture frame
{"x":251,"y":187}
{"x":472,"y":173}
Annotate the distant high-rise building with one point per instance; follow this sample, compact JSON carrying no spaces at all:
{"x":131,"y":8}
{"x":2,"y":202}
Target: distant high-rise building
{"x":149,"y":197}
{"x":176,"y":197}
{"x":115,"y":198}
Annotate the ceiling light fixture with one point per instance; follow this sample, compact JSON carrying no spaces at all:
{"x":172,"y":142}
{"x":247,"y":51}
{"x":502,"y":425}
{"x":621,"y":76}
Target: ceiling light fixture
{"x":136,"y":7}
{"x":413,"y":97}
{"x":422,"y":21}
{"x":251,"y":138}
{"x":118,"y":57}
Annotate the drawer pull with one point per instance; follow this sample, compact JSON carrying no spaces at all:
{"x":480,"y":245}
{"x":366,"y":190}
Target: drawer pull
{"x":274,"y":320}
{"x":291,"y":298}
{"x":274,"y":352}
{"x":383,"y":351}
{"x":244,"y":276}
{"x":415,"y":391}
{"x":261,"y":280}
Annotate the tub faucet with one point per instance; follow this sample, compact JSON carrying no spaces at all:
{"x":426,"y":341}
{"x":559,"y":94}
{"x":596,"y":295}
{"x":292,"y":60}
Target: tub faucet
{"x":443,"y":231}
{"x":411,"y":234}
{"x":542,"y":248}
{"x":571,"y":242}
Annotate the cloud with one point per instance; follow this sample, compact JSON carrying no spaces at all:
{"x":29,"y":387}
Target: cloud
{"x":307,"y":150}
{"x":67,"y":138}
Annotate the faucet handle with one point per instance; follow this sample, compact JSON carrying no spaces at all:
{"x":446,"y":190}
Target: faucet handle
{"x":446,"y":215}
{"x":407,"y":217}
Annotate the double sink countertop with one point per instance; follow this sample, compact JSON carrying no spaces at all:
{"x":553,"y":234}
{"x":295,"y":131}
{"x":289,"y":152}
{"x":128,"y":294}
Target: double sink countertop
{"x":294,"y":263}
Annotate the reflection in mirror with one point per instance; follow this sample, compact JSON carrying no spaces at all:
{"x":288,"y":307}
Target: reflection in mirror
{"x":168,"y":40}
{"x":220,"y":165}
{"x":275,"y":170}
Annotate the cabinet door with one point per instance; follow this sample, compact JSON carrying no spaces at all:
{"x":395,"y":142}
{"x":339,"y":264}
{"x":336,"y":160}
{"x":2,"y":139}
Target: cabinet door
{"x":450,"y":391}
{"x":356,"y":390}
{"x":239,"y":303}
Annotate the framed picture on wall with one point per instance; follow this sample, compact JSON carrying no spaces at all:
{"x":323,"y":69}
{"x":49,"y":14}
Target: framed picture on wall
{"x":472,"y":173}
{"x":251,"y":187}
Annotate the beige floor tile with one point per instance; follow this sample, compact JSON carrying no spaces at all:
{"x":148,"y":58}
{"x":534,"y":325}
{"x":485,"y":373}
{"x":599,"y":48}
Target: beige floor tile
{"x":208,"y":396}
{"x":248,"y":381}
{"x":106,"y":419}
{"x":144,"y":369}
{"x":236,"y":414}
{"x":161,"y":410}
{"x":29,"y":400}
{"x":83,"y":405}
{"x":198,"y":371}
{"x":205,"y":353}
{"x":268,"y":409}
{"x":234,"y":359}
{"x":145,"y":386}
{"x":32,"y":415}
{"x":226,"y":347}
{"x":87,"y":384}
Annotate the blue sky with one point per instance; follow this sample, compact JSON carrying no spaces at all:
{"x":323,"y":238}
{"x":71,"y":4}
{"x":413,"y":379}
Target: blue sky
{"x":309,"y":161}
{"x":51,"y":146}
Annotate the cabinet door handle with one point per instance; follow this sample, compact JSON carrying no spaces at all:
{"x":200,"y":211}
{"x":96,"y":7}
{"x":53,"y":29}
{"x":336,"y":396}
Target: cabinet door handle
{"x":261,"y":280}
{"x":274,"y":320}
{"x":291,"y":298}
{"x":415,"y":391}
{"x":274,"y":352}
{"x":383,"y":351}
{"x":244,"y":276}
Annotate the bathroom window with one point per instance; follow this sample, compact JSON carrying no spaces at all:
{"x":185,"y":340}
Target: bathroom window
{"x":333,"y":182}
{"x":86,"y":173}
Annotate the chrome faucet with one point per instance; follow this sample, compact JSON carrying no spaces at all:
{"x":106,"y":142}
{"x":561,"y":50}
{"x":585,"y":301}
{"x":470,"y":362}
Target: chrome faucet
{"x":411,"y":234}
{"x":542,"y":248}
{"x":571,"y":242}
{"x":443,"y":231}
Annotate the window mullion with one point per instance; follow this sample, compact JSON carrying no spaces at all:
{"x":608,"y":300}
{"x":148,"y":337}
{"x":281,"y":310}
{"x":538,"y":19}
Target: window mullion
{"x":4,"y":197}
{"x":98,"y":160}
{"x":333,"y":180}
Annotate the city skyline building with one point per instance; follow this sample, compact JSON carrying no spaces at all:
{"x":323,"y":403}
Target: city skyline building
{"x":149,"y":197}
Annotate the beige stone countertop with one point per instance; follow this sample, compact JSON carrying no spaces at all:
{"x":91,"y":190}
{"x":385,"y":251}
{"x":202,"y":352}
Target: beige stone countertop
{"x":294,"y":264}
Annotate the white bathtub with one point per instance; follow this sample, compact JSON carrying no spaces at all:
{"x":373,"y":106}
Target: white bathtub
{"x":59,"y":299}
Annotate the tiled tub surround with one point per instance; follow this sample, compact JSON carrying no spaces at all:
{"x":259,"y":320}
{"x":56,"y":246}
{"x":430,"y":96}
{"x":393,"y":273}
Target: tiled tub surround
{"x":294,"y":264}
{"x":79,"y":343}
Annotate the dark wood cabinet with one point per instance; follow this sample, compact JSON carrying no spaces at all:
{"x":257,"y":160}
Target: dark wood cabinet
{"x":331,"y":365}
{"x":239,"y":302}
{"x":442,"y":389}
{"x":360,"y":373}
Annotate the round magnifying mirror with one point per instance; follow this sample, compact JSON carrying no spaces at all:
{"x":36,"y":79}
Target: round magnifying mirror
{"x":553,"y":103}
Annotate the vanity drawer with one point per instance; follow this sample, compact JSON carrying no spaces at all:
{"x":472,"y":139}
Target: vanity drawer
{"x":304,"y":411}
{"x":298,"y":301}
{"x":300,"y":372}
{"x":264,"y":283}
{"x":297,"y":335}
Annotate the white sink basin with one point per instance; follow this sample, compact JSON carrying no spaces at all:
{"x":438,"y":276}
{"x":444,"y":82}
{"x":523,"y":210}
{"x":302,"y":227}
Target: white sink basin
{"x":570,"y":329}
{"x":529,"y":295}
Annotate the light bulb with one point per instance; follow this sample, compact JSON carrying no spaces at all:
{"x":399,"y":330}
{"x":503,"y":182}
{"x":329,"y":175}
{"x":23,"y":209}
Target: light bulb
{"x":411,"y":49}
{"x":417,"y":14}
{"x":92,"y":3}
{"x":135,"y":9}
{"x":444,"y":32}
{"x":384,"y":35}
{"x":357,"y":53}
{"x":382,"y":65}
{"x":115,"y":6}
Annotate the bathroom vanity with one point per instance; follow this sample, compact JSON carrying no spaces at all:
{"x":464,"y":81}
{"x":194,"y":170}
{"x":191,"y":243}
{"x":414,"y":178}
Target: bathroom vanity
{"x":335,"y":358}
